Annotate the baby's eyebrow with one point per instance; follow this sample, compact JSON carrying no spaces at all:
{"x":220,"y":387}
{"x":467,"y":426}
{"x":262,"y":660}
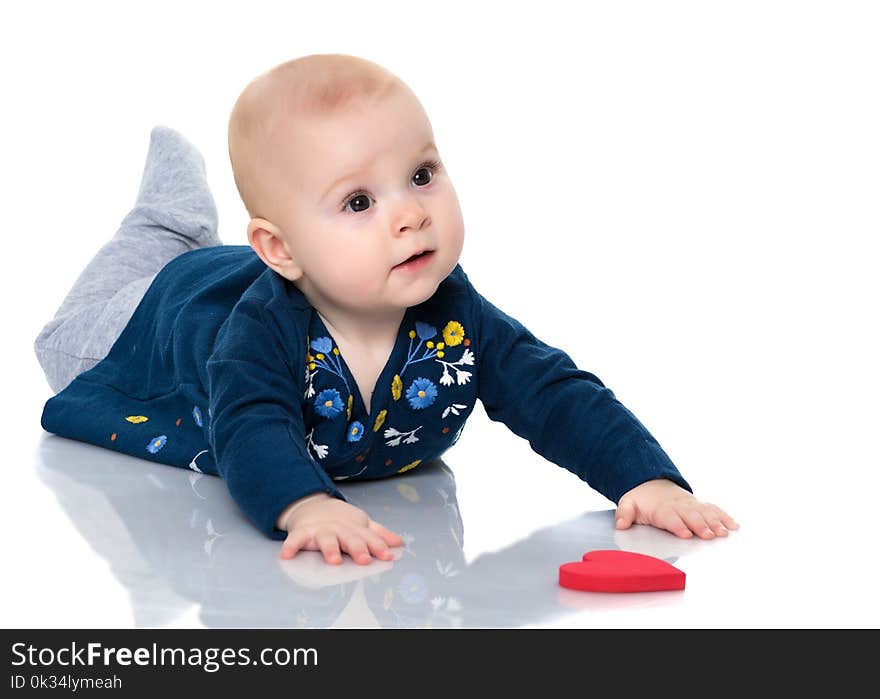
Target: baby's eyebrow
{"x":430,"y":145}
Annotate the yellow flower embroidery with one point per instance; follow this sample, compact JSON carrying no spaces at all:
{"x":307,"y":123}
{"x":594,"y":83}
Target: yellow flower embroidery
{"x":396,"y":387}
{"x":336,"y":350}
{"x":453,"y":333}
{"x":380,"y":418}
{"x":430,"y":343}
{"x":350,"y":401}
{"x":320,"y":356}
{"x":137,"y":418}
{"x":412,"y":334}
{"x":410,"y":465}
{"x":312,"y":366}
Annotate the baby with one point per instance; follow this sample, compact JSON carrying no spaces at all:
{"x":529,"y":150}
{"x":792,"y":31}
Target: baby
{"x":344,"y":342}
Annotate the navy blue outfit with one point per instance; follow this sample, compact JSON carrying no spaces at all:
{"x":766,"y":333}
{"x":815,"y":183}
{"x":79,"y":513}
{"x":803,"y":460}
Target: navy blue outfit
{"x":227,"y":369}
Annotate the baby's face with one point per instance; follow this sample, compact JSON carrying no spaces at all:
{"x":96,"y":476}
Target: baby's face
{"x":360,"y":192}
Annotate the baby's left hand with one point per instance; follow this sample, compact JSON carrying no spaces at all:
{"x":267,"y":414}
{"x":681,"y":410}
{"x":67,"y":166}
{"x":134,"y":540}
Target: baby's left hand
{"x":666,"y":505}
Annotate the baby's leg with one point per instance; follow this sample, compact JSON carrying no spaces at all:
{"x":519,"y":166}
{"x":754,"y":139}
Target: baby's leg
{"x":174,"y":213}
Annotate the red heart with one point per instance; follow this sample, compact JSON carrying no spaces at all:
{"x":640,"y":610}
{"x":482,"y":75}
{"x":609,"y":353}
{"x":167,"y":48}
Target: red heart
{"x":620,"y":571}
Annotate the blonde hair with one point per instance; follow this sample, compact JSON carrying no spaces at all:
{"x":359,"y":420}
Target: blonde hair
{"x":312,"y":86}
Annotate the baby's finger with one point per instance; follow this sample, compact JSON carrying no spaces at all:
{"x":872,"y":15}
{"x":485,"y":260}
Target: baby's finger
{"x":295,"y":541}
{"x":712,"y":516}
{"x":626,"y":514}
{"x":390,"y":538}
{"x":329,"y":545}
{"x":695,"y":521}
{"x":356,"y":547}
{"x":670,"y":521}
{"x":726,"y":519}
{"x":377,"y":545}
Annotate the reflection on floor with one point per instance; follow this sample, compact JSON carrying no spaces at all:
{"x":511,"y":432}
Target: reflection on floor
{"x":174,"y":538}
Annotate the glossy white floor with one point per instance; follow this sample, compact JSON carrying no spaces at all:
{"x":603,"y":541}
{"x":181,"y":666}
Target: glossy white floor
{"x":681,"y":195}
{"x":97,"y":539}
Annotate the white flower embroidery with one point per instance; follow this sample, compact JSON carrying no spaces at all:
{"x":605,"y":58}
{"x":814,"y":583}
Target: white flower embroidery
{"x":397,"y":436}
{"x":193,"y":465}
{"x":310,"y":390}
{"x":461,"y":377}
{"x":350,"y":475}
{"x":320,"y":449}
{"x":454,"y":408}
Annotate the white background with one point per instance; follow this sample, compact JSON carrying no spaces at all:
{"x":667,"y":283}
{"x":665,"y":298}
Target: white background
{"x":682,"y":195}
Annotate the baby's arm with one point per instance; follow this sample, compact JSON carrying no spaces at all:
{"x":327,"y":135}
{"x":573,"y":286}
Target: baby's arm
{"x":572,"y":419}
{"x":257,"y":433}
{"x":319,"y":522}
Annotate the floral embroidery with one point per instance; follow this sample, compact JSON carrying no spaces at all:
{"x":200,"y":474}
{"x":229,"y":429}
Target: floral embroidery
{"x":320,"y":449}
{"x":156,"y":443}
{"x":421,"y":393}
{"x":329,"y":403}
{"x":425,"y":333}
{"x":426,"y":343}
{"x":355,"y":431}
{"x":350,"y":475}
{"x":310,"y":390}
{"x":461,"y":376}
{"x":197,"y":415}
{"x":137,"y":419}
{"x":323,"y":346}
{"x":453,"y":333}
{"x":193,"y":465}
{"x":410,"y":465}
{"x":397,"y":436}
{"x":454,"y":408}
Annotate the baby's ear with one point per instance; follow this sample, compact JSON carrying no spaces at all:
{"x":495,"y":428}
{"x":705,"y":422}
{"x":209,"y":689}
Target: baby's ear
{"x":266,"y":240}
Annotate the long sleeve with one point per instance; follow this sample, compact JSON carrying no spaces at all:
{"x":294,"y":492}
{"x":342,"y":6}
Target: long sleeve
{"x":256,"y":426}
{"x":568,"y":415}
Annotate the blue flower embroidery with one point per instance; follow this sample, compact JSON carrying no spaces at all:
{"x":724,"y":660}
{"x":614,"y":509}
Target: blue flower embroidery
{"x":425,"y":331}
{"x":197,"y":415}
{"x":156,"y":443}
{"x":355,"y":431}
{"x":329,"y":402}
{"x":322,"y":344}
{"x":328,"y":358}
{"x":421,"y":393}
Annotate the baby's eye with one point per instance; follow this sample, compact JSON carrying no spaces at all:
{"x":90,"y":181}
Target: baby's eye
{"x":358,"y":200}
{"x":424,"y":168}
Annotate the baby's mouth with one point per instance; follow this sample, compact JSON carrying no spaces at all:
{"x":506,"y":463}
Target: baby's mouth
{"x":415,"y":257}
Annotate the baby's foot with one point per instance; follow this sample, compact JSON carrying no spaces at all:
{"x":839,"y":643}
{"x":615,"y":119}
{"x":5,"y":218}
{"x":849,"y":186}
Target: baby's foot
{"x":174,"y":192}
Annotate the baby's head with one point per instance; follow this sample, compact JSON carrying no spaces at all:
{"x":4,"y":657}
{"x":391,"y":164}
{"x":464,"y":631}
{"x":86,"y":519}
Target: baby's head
{"x":335,"y":161}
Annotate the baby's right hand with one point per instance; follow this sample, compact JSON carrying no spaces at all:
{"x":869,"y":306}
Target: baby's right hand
{"x":328,"y":524}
